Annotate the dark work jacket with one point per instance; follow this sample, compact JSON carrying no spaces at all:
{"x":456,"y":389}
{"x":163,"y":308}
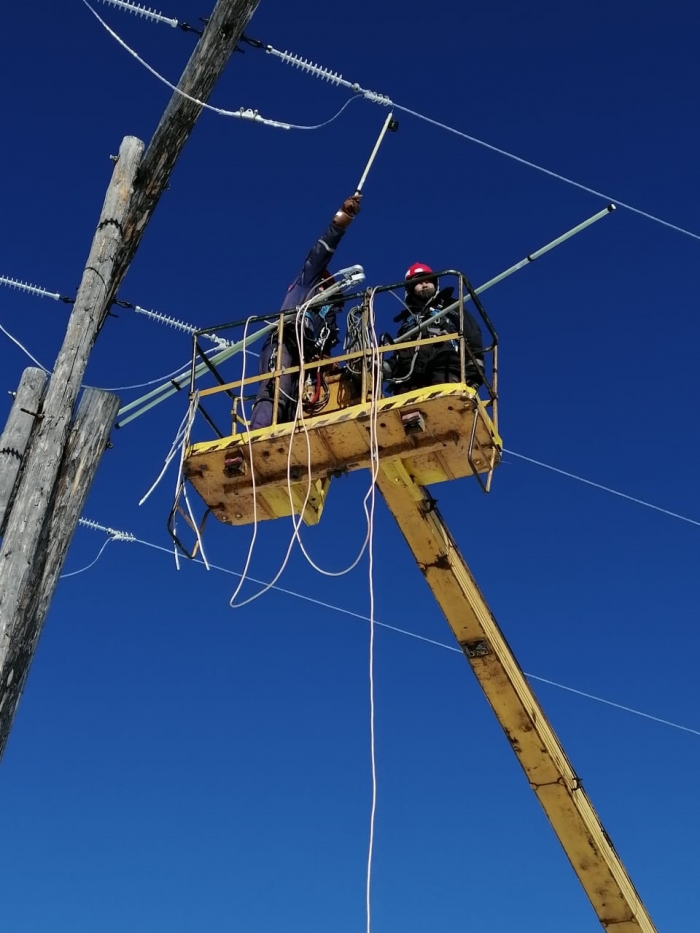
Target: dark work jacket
{"x":417,"y":312}
{"x":302,"y":288}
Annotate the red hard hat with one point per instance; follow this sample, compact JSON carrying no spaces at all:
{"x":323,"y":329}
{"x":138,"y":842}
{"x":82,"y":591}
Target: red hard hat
{"x":418,"y":268}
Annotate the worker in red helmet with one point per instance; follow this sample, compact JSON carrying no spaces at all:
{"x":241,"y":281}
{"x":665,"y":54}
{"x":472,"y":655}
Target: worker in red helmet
{"x":319,"y":326}
{"x":438,"y":362}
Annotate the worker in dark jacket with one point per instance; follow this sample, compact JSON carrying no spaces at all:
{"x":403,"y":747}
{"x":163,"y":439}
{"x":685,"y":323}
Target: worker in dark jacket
{"x":436,"y":362}
{"x":319,"y":327}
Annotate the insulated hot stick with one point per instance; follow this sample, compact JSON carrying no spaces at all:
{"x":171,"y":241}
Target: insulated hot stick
{"x":390,"y":125}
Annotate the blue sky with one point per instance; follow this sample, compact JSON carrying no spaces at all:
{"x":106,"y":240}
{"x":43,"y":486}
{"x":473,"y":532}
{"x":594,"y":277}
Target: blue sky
{"x":178,"y":765}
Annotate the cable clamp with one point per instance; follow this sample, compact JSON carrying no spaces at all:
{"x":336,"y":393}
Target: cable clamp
{"x":255,"y":43}
{"x":185,"y":27}
{"x":376,"y":98}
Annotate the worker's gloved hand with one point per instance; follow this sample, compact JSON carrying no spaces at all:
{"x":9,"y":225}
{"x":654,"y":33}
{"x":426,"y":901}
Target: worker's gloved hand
{"x":351,"y":205}
{"x":350,"y":209}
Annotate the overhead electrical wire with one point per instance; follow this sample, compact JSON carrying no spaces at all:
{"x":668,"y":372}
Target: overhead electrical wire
{"x":246,"y":114}
{"x":112,"y":535}
{"x":614,"y":492}
{"x":139,"y":385}
{"x":384,"y":100}
{"x":167,"y":319}
{"x":75,"y":573}
{"x":325,"y":74}
{"x":125,"y":536}
{"x":23,"y":349}
{"x":220,"y":343}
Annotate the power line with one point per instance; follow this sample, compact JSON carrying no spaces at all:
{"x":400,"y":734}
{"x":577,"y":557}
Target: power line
{"x":139,"y":385}
{"x":546,"y":171}
{"x":23,"y":349}
{"x":393,"y":628}
{"x":318,"y":71}
{"x":252,"y":116}
{"x":614,"y":492}
{"x":75,"y":573}
{"x":167,"y":319}
{"x":627,"y":709}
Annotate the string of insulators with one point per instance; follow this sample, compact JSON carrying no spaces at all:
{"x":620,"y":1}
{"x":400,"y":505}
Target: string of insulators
{"x":146,"y":12}
{"x":325,"y":74}
{"x":32,"y":289}
{"x":112,"y":532}
{"x":170,"y":321}
{"x":219,"y":342}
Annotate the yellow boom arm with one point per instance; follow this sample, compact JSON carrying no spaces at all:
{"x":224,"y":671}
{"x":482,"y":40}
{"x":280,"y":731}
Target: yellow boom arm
{"x":549,"y":772}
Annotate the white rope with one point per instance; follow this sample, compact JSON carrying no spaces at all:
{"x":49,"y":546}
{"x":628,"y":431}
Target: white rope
{"x":298,"y":519}
{"x":296,"y":522}
{"x":251,"y":546}
{"x":376,"y":376}
{"x":181,"y":485}
{"x":373,"y":452}
{"x":176,"y":446}
{"x":614,"y":492}
{"x":249,"y":115}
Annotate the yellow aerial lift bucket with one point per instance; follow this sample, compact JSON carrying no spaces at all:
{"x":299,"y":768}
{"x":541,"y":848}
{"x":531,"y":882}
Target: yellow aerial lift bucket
{"x":434,"y":433}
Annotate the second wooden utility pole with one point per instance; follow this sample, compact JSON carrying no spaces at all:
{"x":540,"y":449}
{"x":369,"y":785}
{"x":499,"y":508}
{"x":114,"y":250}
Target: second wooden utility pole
{"x":15,"y":437}
{"x":87,"y":440}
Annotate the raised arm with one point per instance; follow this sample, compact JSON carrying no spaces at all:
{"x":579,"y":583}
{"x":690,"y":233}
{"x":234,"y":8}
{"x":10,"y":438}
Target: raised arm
{"x":321,"y":253}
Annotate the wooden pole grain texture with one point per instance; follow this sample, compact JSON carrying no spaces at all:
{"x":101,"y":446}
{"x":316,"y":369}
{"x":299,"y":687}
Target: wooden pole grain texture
{"x":222,"y":34}
{"x":15,"y":437}
{"x":87,"y":441}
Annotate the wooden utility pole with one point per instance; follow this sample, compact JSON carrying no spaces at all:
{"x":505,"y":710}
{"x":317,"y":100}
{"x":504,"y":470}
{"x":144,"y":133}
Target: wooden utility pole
{"x":15,"y":438}
{"x":87,"y":440}
{"x":221,"y":36}
{"x":58,"y":470}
